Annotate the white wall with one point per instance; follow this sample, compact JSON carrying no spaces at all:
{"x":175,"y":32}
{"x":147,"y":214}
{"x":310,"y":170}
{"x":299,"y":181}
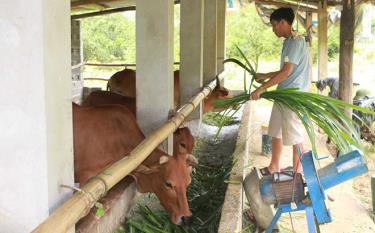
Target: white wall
{"x":35,"y":111}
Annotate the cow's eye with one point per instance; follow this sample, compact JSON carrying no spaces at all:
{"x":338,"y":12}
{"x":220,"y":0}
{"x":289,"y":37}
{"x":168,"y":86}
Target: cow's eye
{"x":168,"y":184}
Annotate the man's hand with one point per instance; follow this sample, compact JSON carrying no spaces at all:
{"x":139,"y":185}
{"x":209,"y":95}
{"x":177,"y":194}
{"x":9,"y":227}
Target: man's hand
{"x":255,"y":95}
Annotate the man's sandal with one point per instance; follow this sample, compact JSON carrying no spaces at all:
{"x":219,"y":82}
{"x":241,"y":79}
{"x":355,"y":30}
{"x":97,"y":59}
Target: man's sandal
{"x":265,"y":171}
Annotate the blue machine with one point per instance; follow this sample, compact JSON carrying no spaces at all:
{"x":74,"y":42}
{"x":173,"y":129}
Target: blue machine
{"x":344,"y":168}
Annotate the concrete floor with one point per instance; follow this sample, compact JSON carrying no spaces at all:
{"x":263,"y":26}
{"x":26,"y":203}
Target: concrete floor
{"x":348,"y":212}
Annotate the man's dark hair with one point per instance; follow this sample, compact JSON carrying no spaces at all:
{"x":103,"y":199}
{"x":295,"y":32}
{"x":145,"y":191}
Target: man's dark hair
{"x":285,"y":13}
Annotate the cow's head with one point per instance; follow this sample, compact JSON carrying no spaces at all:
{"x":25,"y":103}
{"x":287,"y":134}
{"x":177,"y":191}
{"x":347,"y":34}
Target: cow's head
{"x":169,"y":180}
{"x":218,"y":92}
{"x":183,"y":141}
{"x":321,"y":84}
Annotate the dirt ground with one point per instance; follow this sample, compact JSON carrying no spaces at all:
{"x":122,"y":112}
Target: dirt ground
{"x":351,"y":209}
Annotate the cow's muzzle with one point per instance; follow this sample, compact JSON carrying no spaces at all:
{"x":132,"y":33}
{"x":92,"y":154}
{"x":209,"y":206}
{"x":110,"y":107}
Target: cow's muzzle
{"x":186,"y":220}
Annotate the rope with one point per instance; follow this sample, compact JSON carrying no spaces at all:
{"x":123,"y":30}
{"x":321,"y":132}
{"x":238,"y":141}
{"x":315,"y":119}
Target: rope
{"x":291,"y":221}
{"x":89,"y":196}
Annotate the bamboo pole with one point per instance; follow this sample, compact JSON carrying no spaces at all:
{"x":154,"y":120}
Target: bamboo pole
{"x":63,"y":218}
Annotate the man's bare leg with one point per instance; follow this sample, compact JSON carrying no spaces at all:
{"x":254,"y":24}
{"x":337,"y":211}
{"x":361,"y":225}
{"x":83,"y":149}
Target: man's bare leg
{"x":296,"y":160}
{"x":277,"y":146}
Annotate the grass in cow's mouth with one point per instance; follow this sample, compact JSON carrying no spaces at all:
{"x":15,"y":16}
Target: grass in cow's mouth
{"x":206,"y":195}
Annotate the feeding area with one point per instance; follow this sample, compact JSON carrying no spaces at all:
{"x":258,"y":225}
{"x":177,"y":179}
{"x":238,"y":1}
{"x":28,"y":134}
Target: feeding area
{"x":167,"y":116}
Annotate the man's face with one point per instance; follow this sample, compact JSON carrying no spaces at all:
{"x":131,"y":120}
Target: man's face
{"x":277,"y":27}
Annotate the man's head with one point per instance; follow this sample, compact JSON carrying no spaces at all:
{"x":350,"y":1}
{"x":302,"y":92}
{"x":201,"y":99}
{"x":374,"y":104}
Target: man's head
{"x":282,"y":20}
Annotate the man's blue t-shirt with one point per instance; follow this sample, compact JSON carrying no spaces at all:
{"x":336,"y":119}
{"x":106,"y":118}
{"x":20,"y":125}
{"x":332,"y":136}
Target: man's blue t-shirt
{"x":296,"y":52}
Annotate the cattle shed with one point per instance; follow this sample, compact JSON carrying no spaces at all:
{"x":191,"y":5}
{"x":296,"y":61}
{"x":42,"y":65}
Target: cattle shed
{"x":41,"y":55}
{"x":37,"y":145}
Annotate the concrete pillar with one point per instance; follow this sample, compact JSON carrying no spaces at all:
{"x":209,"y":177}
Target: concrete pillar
{"x":210,"y":41}
{"x":221,"y":8}
{"x":191,"y":51}
{"x":322,"y":40}
{"x":154,"y":46}
{"x":77,"y":59}
{"x":36,"y":119}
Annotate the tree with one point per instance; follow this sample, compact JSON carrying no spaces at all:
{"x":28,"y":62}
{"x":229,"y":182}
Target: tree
{"x":255,"y":39}
{"x":109,"y":38}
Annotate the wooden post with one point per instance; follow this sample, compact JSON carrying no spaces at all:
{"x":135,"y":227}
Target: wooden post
{"x":346,"y":52}
{"x":311,"y":52}
{"x":322,"y":40}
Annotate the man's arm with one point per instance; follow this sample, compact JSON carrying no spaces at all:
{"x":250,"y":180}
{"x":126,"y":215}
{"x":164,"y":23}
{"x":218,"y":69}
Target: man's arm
{"x":278,"y":77}
{"x":261,"y":77}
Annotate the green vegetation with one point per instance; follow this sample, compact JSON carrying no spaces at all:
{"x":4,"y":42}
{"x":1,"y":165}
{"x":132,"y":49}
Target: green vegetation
{"x":109,"y":38}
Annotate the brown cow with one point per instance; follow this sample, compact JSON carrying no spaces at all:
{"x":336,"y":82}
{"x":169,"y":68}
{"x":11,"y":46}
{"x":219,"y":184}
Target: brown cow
{"x":104,"y":134}
{"x":123,"y":82}
{"x":182,"y":137}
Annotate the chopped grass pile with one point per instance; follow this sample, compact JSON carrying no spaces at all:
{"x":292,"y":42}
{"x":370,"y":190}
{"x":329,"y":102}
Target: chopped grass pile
{"x":215,"y":119}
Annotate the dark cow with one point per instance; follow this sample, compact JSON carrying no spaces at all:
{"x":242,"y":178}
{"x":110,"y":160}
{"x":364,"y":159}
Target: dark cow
{"x":332,"y":83}
{"x":123,"y":82}
{"x":104,"y":134}
{"x":99,"y":98}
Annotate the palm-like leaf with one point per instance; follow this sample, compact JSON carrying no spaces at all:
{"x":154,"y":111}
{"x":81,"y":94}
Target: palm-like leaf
{"x":325,"y":112}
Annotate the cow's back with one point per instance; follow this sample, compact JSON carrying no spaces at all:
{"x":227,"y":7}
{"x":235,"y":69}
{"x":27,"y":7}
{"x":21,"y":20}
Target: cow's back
{"x":99,"y":98}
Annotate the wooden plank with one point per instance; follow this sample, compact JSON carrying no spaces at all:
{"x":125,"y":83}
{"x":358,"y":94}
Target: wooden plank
{"x":322,"y":40}
{"x":309,"y":16}
{"x":309,"y":3}
{"x":291,"y":5}
{"x":346,"y":52}
{"x":86,"y":2}
{"x":103,"y":12}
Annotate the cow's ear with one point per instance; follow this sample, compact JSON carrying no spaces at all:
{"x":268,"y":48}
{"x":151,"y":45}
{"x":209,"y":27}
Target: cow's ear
{"x":191,"y":160}
{"x":163,"y":159}
{"x":143,"y":169}
{"x":223,"y":92}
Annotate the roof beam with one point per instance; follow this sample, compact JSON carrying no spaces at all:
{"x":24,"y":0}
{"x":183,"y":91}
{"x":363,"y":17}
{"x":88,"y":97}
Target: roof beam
{"x":103,"y":12}
{"x":86,"y":2}
{"x":280,"y":4}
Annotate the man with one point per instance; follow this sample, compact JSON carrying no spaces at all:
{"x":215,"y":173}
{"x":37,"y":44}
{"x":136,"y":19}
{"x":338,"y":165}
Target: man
{"x":284,"y":126}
